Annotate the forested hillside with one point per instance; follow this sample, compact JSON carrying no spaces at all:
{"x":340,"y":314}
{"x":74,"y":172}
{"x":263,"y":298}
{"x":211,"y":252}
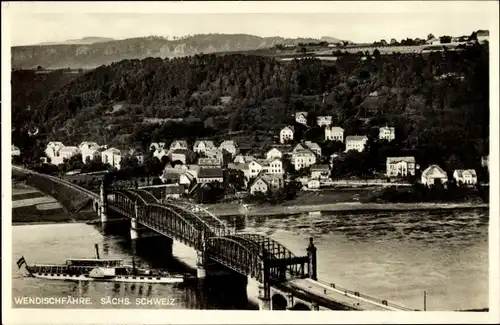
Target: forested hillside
{"x":438,"y":103}
{"x":92,"y":55}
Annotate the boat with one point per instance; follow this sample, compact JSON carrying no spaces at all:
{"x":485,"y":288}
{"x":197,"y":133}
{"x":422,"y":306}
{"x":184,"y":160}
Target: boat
{"x":97,"y":269}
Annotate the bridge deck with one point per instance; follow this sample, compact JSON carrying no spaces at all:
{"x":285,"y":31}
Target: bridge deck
{"x":333,"y":297}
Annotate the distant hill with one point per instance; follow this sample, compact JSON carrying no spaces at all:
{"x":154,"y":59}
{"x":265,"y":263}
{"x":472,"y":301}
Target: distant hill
{"x":94,"y":51}
{"x":84,"y":40}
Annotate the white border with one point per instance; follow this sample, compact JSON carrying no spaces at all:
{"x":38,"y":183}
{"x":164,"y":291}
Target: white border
{"x":33,"y":316}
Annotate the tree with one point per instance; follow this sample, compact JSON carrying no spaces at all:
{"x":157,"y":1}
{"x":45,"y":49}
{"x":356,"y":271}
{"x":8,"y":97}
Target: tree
{"x":430,"y":36}
{"x":235,"y":178}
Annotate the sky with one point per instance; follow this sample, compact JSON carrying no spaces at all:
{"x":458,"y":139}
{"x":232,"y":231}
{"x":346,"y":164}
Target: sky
{"x":359,"y":22}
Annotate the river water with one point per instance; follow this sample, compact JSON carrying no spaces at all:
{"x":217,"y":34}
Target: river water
{"x":388,"y":255}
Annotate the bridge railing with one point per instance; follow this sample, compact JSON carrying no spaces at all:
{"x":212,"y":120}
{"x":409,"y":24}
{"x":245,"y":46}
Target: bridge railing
{"x":367,"y":297}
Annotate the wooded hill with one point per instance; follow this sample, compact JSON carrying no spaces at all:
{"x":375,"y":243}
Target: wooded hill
{"x":439,"y":103}
{"x":92,"y":55}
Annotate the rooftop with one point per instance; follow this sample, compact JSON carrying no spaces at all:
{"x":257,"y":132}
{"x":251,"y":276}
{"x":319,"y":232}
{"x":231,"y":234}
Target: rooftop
{"x":210,"y":173}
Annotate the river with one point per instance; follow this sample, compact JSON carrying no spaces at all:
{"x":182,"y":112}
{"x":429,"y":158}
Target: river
{"x":388,"y":255}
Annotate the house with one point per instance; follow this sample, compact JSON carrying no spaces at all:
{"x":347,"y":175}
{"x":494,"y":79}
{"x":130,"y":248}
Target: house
{"x":210,"y":175}
{"x":314,"y":147}
{"x":186,"y":178}
{"x":52,"y":151}
{"x":324,"y":120}
{"x":334,"y":133}
{"x":433,"y":41}
{"x":209,"y":162}
{"x":68,"y":152}
{"x":157,"y":146}
{"x":254,"y":168}
{"x":14,"y":151}
{"x":171,"y":175}
{"x":179,"y":144}
{"x":433,"y":173}
{"x":308,"y":145}
{"x":400,"y":166}
{"x":273,"y":166}
{"x":286,"y":134}
{"x":160,"y":153}
{"x":264,"y":183}
{"x":229,"y":146}
{"x":241,"y":159}
{"x":183,"y":155}
{"x":205,"y":147}
{"x":173,"y":191}
{"x":465,"y":176}
{"x":387,"y":133}
{"x":301,"y":117}
{"x":313,"y":184}
{"x":89,"y":151}
{"x":112,"y":156}
{"x":483,"y":36}
{"x":303,"y":158}
{"x":355,"y":142}
{"x":320,"y":172}
{"x":274,"y":153}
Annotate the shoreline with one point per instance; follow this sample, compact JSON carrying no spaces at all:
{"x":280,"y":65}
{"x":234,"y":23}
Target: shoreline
{"x":225,"y":209}
{"x":228,"y":210}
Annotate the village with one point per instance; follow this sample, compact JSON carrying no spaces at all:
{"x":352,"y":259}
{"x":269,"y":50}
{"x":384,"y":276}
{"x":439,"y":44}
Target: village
{"x":187,"y":168}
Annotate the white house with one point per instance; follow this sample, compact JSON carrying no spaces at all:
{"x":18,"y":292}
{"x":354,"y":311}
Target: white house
{"x":156,"y":146}
{"x":14,"y":151}
{"x":274,"y":153}
{"x":303,"y":158}
{"x":178,"y":144}
{"x":308,"y":145}
{"x":229,"y":146}
{"x":320,"y":172}
{"x":286,"y":134}
{"x":324,"y":120}
{"x":433,"y":172}
{"x":400,"y":166}
{"x":313,"y":184}
{"x":89,"y":150}
{"x":241,"y":159}
{"x":210,"y":175}
{"x":273,"y":167}
{"x":68,"y":152}
{"x":205,"y":147}
{"x":334,"y":133}
{"x":387,"y":133}
{"x":254,"y":168}
{"x":112,"y":156}
{"x":465,"y":176}
{"x":355,"y":142}
{"x":161,"y":153}
{"x":263,"y":183}
{"x":52,"y":151}
{"x":301,"y":117}
{"x":209,"y":162}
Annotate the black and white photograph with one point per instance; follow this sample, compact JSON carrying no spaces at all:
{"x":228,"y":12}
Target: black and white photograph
{"x":203,"y":156}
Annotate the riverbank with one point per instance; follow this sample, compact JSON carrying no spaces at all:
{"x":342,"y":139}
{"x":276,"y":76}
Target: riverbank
{"x":230,"y":209}
{"x":31,"y":206}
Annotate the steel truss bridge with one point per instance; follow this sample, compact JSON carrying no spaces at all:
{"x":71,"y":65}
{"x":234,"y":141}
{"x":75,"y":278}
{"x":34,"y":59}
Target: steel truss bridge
{"x":279,"y":271}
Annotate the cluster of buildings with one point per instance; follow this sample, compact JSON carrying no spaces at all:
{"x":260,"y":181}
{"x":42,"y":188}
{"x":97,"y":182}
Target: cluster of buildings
{"x":57,"y":152}
{"x":335,"y":133}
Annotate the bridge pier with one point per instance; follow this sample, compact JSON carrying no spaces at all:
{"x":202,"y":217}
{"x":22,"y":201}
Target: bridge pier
{"x":103,"y":204}
{"x":201,"y":272}
{"x":289,"y":301}
{"x":312,"y":263}
{"x":264,"y":297}
{"x":134,"y":230}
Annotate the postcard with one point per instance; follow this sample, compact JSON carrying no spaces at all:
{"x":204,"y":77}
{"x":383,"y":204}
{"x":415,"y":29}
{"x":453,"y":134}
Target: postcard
{"x":235,"y":162}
